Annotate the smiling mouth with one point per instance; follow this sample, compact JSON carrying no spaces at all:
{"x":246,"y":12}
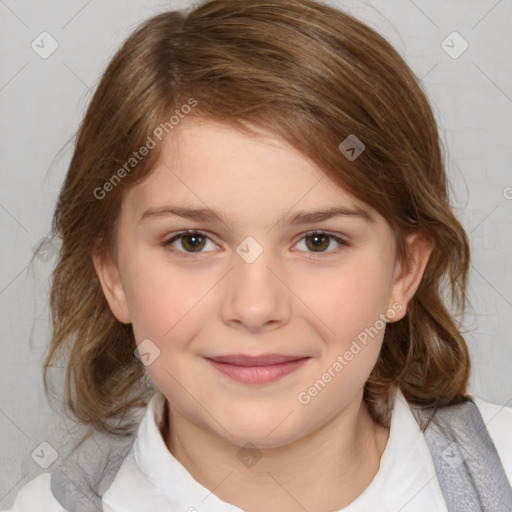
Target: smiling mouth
{"x":256,"y":369}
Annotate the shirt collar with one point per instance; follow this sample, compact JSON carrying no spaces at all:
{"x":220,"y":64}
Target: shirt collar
{"x":164,"y":471}
{"x":406,"y":448}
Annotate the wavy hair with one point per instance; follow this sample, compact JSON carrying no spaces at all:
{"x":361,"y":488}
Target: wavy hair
{"x":311,"y":75}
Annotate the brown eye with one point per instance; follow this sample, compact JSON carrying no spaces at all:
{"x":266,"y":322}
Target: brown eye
{"x":319,"y":242}
{"x":191,"y":242}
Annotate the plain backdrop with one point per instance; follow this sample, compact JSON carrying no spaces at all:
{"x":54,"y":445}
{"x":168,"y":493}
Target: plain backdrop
{"x":467,"y":76}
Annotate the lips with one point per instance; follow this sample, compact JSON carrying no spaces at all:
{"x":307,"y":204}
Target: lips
{"x":256,"y":369}
{"x":246,"y":360}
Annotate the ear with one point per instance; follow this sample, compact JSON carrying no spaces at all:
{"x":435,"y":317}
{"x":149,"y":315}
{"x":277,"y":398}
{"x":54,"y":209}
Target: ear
{"x":108,"y":275}
{"x":409,"y":273}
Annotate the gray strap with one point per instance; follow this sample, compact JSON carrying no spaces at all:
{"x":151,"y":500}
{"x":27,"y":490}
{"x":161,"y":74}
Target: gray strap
{"x":468,"y":467}
{"x":469,"y":470}
{"x":85,"y":473}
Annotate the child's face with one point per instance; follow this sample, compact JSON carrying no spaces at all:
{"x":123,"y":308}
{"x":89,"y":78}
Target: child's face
{"x":302,"y":297}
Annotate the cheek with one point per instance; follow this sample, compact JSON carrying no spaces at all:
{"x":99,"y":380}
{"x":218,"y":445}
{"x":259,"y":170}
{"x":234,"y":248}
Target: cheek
{"x":162,"y":300}
{"x":355,"y":298}
{"x":353,"y":304}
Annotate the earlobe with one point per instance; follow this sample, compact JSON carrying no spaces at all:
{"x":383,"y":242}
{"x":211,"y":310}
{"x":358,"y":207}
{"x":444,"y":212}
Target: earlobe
{"x":410,"y":273}
{"x":108,"y":275}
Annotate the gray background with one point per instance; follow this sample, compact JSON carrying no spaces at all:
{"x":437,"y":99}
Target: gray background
{"x":43,"y":100}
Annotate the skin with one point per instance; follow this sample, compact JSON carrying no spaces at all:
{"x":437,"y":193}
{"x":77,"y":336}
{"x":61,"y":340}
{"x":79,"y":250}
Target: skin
{"x":293,"y":299}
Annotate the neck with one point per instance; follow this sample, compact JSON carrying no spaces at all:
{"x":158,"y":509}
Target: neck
{"x":323,"y":471}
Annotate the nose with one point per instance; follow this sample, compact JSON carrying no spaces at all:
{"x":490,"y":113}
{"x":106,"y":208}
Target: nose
{"x":256,"y":297}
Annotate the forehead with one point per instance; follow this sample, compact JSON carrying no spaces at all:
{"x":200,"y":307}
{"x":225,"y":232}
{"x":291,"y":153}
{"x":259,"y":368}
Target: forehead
{"x":215,"y":166}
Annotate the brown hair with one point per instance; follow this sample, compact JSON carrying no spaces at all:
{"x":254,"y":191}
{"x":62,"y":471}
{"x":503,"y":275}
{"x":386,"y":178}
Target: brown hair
{"x":307,"y":73}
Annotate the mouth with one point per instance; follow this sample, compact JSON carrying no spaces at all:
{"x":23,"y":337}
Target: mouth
{"x":256,"y":369}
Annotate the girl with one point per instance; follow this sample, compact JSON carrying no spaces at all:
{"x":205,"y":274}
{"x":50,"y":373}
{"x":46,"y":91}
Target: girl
{"x":256,"y":239}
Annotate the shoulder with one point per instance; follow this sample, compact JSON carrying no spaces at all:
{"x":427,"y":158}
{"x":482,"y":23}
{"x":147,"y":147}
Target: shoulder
{"x":36,"y":496}
{"x":498,"y":420}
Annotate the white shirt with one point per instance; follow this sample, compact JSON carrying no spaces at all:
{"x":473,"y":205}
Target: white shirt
{"x":151,"y":479}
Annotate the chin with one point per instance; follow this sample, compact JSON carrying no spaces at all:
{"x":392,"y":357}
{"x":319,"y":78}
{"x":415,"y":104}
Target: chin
{"x":262,"y":431}
{"x":260,"y":440}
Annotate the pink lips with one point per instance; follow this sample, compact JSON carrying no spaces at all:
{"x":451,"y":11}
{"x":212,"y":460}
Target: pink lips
{"x":256,"y":369}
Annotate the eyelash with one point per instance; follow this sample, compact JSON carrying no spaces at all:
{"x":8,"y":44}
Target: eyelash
{"x":185,"y":254}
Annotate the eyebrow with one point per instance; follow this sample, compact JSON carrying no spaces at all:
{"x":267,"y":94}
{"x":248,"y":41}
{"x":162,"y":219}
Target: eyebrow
{"x":296,"y":218}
